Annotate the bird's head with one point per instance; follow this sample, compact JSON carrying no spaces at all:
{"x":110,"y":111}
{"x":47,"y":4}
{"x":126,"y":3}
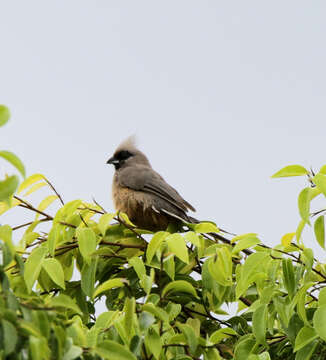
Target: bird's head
{"x":127,"y":154}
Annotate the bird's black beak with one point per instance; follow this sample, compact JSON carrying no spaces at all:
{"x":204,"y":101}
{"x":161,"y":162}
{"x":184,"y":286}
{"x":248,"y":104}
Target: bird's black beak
{"x":113,"y":161}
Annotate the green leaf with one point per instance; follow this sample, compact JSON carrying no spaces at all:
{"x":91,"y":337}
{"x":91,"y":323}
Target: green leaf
{"x":259,"y":323}
{"x":154,"y":244}
{"x":138,"y":266}
{"x":154,"y":343}
{"x":112,"y":350}
{"x":307,"y":351}
{"x":249,"y":270}
{"x":221,"y":334}
{"x":8,"y":187}
{"x":291,"y":170}
{"x":289,"y":276}
{"x":156,"y":311}
{"x":33,"y":266}
{"x":320,"y":181}
{"x":10,"y":336}
{"x":177,"y":245}
{"x":64,"y":301}
{"x":14,"y":160}
{"x":129,"y":310}
{"x":6,"y":237}
{"x":179,"y":286}
{"x":243,"y":348}
{"x":53,"y":238}
{"x":88,"y":277}
{"x":206,"y":227}
{"x":322,"y":297}
{"x":191,"y":338}
{"x":54,"y":270}
{"x":304,"y":204}
{"x":4,"y":115}
{"x":245,"y":243}
{"x":319,"y":228}
{"x":305,"y":336}
{"x":104,"y":222}
{"x":87,"y":242}
{"x":109,"y":284}
{"x":319,"y":321}
{"x":221,"y":267}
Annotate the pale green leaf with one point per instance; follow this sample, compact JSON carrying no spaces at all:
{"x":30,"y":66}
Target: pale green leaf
{"x":192,"y":238}
{"x":4,"y":115}
{"x":14,"y":161}
{"x":104,"y":222}
{"x":320,"y":181}
{"x":319,"y":228}
{"x":10,"y":336}
{"x":177,"y":245}
{"x":259,"y":323}
{"x":87,"y":242}
{"x":111,"y":350}
{"x":30,"y":181}
{"x":299,"y":230}
{"x":109,"y":284}
{"x":287,"y":238}
{"x":45,"y":203}
{"x":54,"y":270}
{"x":304,"y":204}
{"x":8,"y":187}
{"x":206,"y":227}
{"x":73,"y":353}
{"x":291,"y":170}
{"x":35,"y":187}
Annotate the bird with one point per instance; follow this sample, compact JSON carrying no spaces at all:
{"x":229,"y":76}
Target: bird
{"x":140,"y":192}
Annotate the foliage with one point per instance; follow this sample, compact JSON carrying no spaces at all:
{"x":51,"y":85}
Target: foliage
{"x":168,"y":295}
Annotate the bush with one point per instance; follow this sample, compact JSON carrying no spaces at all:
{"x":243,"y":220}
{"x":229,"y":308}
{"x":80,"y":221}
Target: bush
{"x":166,"y":294}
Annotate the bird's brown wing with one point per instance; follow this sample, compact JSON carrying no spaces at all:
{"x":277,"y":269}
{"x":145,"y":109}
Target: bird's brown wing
{"x":143,"y":178}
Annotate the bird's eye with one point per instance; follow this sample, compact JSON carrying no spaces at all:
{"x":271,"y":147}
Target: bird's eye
{"x":123,"y":155}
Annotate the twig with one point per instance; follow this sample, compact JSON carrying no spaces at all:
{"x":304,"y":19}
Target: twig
{"x":29,"y":223}
{"x":131,"y":246}
{"x":100,"y":206}
{"x":53,"y":188}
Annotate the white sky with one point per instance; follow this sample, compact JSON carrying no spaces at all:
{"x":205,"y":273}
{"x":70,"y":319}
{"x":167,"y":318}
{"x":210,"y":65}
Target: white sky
{"x":221,"y":94}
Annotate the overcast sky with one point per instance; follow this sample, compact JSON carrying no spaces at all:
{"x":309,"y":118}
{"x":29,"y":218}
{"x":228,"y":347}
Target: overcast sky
{"x":221,"y":94}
